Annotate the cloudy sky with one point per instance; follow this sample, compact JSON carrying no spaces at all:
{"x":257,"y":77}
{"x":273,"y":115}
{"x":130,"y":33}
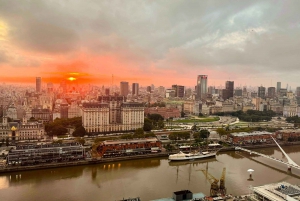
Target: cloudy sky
{"x":160,"y":42}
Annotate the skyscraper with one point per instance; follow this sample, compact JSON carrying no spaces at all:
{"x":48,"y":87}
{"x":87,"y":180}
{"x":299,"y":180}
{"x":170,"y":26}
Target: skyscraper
{"x":298,"y":91}
{"x":278,"y":87}
{"x":229,"y":85}
{"x":124,"y":87}
{"x":135,"y":89}
{"x":201,"y":86}
{"x":38,"y":84}
{"x":261,"y":92}
{"x":271,"y":92}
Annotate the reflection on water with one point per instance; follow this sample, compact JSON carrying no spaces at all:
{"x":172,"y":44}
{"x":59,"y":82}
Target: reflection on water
{"x":147,"y":178}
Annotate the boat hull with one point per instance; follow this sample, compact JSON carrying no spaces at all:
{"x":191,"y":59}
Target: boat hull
{"x":193,"y":157}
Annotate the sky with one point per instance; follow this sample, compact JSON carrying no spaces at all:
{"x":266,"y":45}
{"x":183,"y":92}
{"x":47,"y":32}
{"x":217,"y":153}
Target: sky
{"x":150,"y":42}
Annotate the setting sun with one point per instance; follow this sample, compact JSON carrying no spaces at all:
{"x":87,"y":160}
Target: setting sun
{"x":71,"y":78}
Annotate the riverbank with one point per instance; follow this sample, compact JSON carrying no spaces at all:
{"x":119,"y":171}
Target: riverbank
{"x":7,"y":169}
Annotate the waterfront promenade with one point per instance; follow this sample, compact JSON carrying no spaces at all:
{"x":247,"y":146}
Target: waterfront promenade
{"x":5,"y":169}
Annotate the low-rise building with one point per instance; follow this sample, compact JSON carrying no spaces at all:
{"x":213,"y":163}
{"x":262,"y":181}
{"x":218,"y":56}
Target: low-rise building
{"x":253,"y":137}
{"x":113,"y":148}
{"x":276,"y":192}
{"x":38,"y":154}
{"x":288,"y":134}
{"x":24,"y":130}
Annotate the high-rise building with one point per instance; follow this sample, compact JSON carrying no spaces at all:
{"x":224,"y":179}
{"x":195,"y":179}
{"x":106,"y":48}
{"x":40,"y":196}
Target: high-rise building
{"x":149,"y":89}
{"x":38,"y":84}
{"x":124,"y":87}
{"x":49,"y":87}
{"x":211,"y":90}
{"x":298,"y":91}
{"x":179,"y":90}
{"x":135,"y":89}
{"x":201,"y":86}
{"x":107,"y":92}
{"x":161,"y":90}
{"x":245,"y":93}
{"x":261,"y":92}
{"x":271,"y":92}
{"x":278,"y":87}
{"x":174,"y":87}
{"x":229,"y":85}
{"x":238,"y":92}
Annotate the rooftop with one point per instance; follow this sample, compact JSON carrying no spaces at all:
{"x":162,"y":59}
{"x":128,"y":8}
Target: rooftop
{"x":107,"y":142}
{"x":279,"y":191}
{"x":240,"y":134}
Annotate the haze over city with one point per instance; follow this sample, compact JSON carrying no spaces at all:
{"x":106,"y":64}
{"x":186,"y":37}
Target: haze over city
{"x":250,"y":42}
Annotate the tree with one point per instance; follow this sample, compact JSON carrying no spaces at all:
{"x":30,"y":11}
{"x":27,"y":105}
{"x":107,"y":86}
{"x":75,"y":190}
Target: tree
{"x":182,"y":114}
{"x":204,"y":134}
{"x":57,"y":130}
{"x":151,"y":134}
{"x":79,"y":132}
{"x":156,"y":117}
{"x":221,"y":131}
{"x":139,"y":133}
{"x":173,"y":136}
{"x":160,"y":124}
{"x":147,"y":125}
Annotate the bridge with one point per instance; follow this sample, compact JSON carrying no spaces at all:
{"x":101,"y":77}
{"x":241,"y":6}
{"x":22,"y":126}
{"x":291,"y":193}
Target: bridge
{"x":290,"y":163}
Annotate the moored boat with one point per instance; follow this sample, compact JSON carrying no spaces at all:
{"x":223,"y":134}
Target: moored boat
{"x":191,"y":156}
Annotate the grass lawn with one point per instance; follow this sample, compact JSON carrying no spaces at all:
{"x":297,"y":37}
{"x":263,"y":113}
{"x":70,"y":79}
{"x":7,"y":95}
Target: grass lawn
{"x":203,"y":119}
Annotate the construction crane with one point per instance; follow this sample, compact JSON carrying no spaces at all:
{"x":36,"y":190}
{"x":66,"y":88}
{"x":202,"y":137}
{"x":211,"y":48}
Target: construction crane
{"x":214,"y":187}
{"x":222,"y":183}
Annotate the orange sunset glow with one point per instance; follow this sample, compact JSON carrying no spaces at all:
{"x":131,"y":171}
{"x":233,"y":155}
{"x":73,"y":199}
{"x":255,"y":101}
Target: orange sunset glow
{"x":136,"y":47}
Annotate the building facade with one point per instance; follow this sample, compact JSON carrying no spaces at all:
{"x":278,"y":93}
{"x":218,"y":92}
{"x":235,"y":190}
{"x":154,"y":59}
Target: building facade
{"x":124,"y":88}
{"x":201,"y":86}
{"x":135,"y":89}
{"x":38,"y":84}
{"x":112,"y":115}
{"x":24,"y":130}
{"x":261,"y":93}
{"x":271,"y":92}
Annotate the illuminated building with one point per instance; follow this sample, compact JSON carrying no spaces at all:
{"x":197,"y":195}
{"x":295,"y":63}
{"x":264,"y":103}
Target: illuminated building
{"x":38,"y":84}
{"x":124,"y":87}
{"x":21,"y":130}
{"x":135,"y":89}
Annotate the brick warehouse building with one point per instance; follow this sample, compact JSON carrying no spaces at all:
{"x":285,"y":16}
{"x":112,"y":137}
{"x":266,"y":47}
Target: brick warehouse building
{"x":114,"y":148}
{"x":254,"y":137}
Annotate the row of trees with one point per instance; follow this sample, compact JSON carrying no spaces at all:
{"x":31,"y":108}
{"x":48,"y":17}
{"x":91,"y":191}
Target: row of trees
{"x":294,"y":119}
{"x":250,"y":115}
{"x":60,"y":127}
{"x":139,"y":133}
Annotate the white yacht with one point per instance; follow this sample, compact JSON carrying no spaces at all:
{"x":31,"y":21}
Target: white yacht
{"x":191,"y":156}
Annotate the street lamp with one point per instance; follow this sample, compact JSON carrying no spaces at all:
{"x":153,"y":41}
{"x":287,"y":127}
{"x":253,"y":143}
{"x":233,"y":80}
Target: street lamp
{"x":250,"y":174}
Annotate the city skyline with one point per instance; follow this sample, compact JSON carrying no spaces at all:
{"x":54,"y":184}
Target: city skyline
{"x":252,"y":43}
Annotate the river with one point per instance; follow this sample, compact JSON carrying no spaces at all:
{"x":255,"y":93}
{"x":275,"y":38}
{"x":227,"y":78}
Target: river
{"x":147,"y":178}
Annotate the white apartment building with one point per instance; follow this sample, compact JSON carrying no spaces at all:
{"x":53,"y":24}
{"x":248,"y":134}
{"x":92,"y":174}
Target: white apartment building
{"x":112,"y":116}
